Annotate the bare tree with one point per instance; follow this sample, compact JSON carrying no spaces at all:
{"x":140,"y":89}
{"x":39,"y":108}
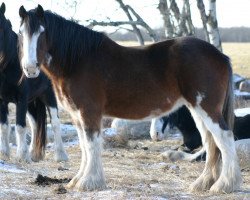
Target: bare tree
{"x":210,"y":24}
{"x":165,"y":12}
{"x":130,"y":13}
{"x":176,"y":23}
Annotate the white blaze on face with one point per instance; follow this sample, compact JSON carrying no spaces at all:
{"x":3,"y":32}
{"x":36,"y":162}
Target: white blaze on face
{"x":29,"y":59}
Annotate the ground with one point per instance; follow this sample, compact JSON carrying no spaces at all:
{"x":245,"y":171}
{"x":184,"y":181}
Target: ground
{"x":135,"y":172}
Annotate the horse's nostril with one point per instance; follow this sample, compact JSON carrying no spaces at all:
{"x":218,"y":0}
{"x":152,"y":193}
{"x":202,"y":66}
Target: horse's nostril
{"x":37,"y":64}
{"x":157,"y":133}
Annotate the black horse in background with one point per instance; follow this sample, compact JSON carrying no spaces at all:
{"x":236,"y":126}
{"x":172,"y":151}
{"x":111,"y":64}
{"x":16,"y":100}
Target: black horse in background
{"x":31,"y":96}
{"x":183,"y":120}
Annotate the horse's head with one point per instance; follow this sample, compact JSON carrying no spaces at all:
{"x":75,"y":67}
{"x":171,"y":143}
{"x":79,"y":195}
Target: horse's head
{"x":32,"y":40}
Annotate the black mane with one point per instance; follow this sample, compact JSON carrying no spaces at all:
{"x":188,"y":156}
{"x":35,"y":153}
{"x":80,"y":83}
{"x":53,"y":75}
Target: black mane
{"x":69,"y":42}
{"x":9,"y":51}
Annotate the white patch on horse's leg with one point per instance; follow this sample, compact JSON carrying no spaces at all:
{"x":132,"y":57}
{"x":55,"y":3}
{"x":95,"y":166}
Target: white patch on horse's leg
{"x":4,"y":141}
{"x":60,"y":154}
{"x":33,"y":127}
{"x":80,"y":173}
{"x":22,"y":147}
{"x":93,"y":177}
{"x":230,"y":177}
{"x":155,"y":129}
{"x":206,"y":179}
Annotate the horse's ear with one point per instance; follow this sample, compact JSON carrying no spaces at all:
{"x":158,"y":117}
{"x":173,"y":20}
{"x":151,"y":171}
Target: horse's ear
{"x":22,"y":12}
{"x":39,"y":11}
{"x":2,"y":9}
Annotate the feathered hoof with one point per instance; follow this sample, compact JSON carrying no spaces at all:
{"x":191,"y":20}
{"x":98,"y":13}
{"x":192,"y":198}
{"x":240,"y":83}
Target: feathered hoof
{"x":203,"y":183}
{"x":61,"y":156}
{"x":89,"y":184}
{"x":223,"y":185}
{"x":23,"y":158}
{"x":36,"y":156}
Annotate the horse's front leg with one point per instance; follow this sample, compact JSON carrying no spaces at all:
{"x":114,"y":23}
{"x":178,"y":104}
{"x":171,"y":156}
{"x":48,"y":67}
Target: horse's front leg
{"x":22,"y":147}
{"x":4,"y":132}
{"x":90,"y":175}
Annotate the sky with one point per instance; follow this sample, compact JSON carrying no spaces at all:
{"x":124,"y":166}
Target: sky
{"x":230,"y":13}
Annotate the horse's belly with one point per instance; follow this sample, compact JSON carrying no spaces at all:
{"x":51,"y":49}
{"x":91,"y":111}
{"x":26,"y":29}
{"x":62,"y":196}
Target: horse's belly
{"x":144,"y":111}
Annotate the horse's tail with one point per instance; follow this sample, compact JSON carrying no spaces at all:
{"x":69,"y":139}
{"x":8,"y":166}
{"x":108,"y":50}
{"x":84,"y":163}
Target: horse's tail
{"x":38,"y":110}
{"x":228,"y":108}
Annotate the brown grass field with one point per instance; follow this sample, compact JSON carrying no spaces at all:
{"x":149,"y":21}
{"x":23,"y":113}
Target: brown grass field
{"x":134,"y":172}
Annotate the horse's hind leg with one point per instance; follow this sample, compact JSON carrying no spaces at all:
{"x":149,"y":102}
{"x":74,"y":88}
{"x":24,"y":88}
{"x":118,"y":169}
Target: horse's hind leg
{"x":230,"y":177}
{"x":210,"y":172}
{"x":4,"y":132}
{"x":60,"y":154}
{"x":222,"y":139}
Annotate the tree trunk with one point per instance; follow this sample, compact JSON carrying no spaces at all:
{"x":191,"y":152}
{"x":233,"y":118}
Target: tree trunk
{"x":202,"y":10}
{"x":213,"y":30}
{"x":165,"y":12}
{"x":189,"y":23}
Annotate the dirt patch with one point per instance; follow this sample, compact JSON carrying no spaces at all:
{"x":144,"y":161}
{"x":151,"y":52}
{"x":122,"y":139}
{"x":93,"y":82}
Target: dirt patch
{"x":46,"y":181}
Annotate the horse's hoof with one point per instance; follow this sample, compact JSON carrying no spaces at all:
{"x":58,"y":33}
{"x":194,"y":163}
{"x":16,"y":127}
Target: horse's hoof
{"x":61,"y":156}
{"x":222,"y":185}
{"x":89,"y":184}
{"x":203,"y":183}
{"x":26,"y":159}
{"x":36,"y":157}
{"x":73,"y":182}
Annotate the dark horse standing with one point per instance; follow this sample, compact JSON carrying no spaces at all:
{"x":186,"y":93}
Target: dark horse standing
{"x":29,"y":95}
{"x":94,"y":77}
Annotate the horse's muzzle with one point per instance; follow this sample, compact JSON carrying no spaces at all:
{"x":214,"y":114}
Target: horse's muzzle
{"x":31,"y":72}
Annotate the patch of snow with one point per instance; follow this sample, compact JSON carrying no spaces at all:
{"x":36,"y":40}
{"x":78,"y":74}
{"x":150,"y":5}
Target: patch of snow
{"x":240,"y":112}
{"x":237,"y":78}
{"x":10,"y":168}
{"x":16,"y":191}
{"x":110,"y":132}
{"x":239,"y":93}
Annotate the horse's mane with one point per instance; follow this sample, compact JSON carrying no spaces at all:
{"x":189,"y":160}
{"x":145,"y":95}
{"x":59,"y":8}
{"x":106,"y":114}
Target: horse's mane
{"x":10,"y":44}
{"x":70,"y":41}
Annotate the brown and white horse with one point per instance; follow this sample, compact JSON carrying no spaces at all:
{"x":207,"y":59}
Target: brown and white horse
{"x":95,"y":77}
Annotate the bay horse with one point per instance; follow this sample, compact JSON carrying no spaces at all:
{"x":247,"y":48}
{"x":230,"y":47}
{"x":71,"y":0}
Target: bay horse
{"x":94,"y":77}
{"x":32,"y":95}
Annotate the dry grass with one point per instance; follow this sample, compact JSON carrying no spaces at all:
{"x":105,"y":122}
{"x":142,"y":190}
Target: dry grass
{"x":240,"y":57}
{"x":131,"y":173}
